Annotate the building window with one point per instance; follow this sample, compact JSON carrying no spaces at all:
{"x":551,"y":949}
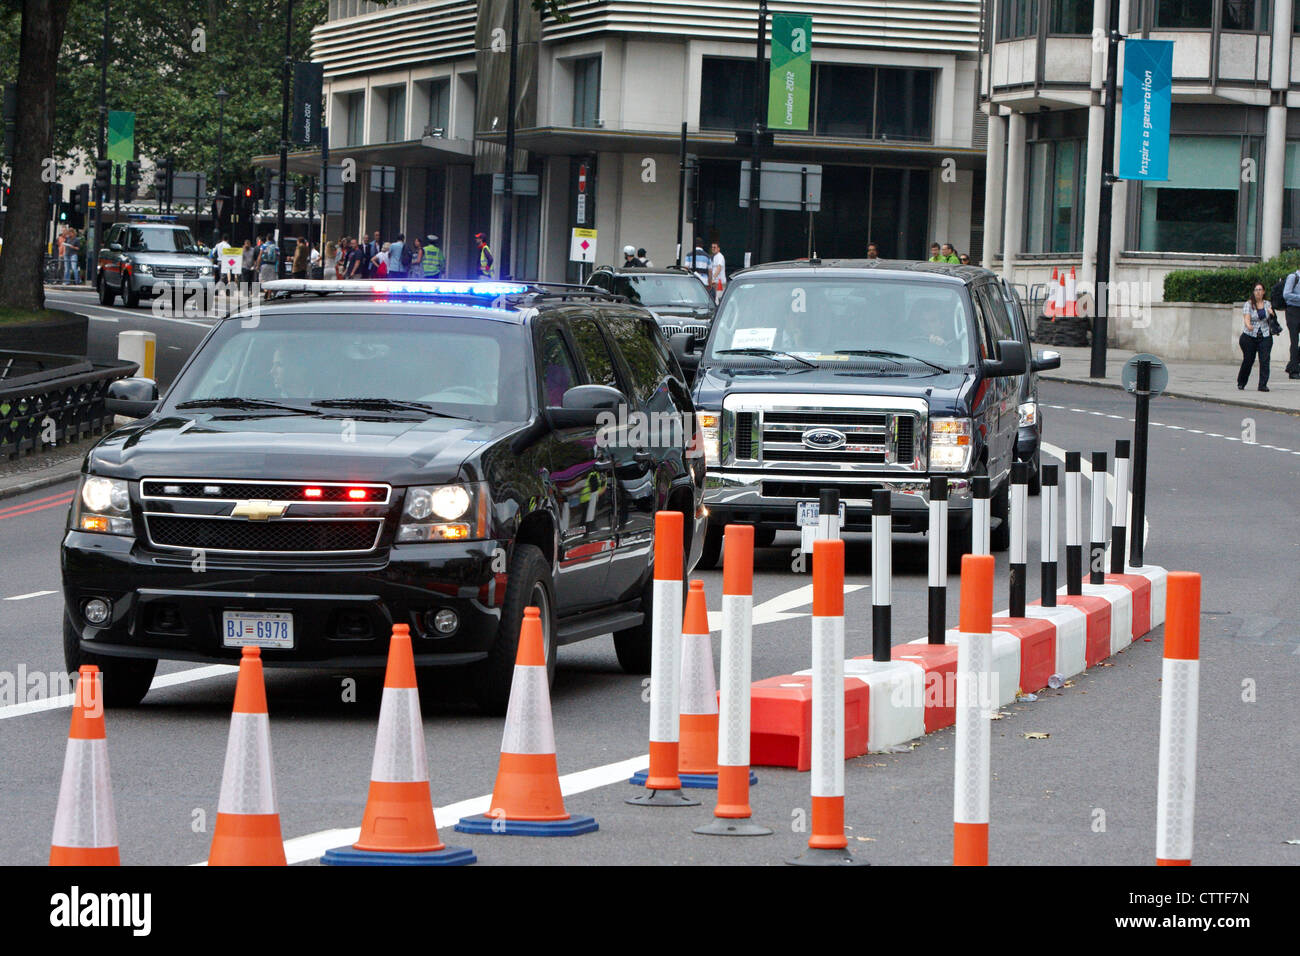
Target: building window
{"x":904,"y":104}
{"x":1018,"y":18}
{"x":586,"y":91}
{"x":1247,"y":15}
{"x":355,"y":109}
{"x":1204,"y":207}
{"x":1054,"y":217}
{"x":440,"y":106}
{"x":1291,"y":198}
{"x":846,"y":98}
{"x":395,"y":115}
{"x":726,"y":94}
{"x":1184,"y":14}
{"x":1070,"y":17}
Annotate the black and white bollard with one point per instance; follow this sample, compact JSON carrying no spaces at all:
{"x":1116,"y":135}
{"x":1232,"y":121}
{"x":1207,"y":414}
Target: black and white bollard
{"x":1097,"y":544}
{"x":1119,"y":514}
{"x":938,"y":559}
{"x":981,"y":517}
{"x":1047,"y":597}
{"x":828,"y":515}
{"x":1073,"y":523}
{"x":881,"y":571}
{"x":1019,"y":535}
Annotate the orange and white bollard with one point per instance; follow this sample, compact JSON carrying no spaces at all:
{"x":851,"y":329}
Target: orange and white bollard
{"x":1179,"y":704}
{"x":970,"y":805}
{"x":732,"y":814}
{"x":248,"y":823}
{"x":398,"y":826}
{"x":827,"y":845}
{"x":663,"y":787}
{"x":85,"y":826}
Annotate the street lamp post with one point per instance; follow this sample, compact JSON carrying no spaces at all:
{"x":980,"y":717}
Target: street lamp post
{"x":92,"y":270}
{"x":221,"y":129}
{"x":508,"y":184}
{"x":284,"y":136}
{"x":1101,"y":294}
{"x":756,"y":156}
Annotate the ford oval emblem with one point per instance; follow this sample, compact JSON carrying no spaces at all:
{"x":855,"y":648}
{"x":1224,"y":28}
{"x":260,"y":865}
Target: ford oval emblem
{"x":823,"y":439}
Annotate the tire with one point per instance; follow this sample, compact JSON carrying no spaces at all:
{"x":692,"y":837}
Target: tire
{"x":130,"y":298}
{"x":528,"y":583}
{"x":633,"y":645}
{"x":126,"y":680}
{"x":1000,"y":507}
{"x":763,"y":537}
{"x":712,"y":552}
{"x":106,"y":295}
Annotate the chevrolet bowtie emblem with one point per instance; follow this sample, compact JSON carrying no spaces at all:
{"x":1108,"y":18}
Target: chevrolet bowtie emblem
{"x":259,"y":509}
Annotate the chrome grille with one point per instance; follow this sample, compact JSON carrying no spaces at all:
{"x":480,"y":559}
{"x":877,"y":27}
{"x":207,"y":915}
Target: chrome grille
{"x":697,"y":330}
{"x":175,"y":272}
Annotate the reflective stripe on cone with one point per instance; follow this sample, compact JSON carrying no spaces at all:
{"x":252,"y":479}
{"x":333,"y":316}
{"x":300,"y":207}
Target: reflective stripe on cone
{"x":85,"y":824}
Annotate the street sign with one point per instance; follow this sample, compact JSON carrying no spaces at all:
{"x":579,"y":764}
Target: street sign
{"x":582,"y":246}
{"x":231,"y":258}
{"x":781,"y":184}
{"x":526,"y":184}
{"x":1159,"y":374}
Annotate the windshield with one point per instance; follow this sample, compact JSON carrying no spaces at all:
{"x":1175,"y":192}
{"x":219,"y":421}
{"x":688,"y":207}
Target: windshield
{"x":664,"y":291}
{"x":155,"y":239}
{"x":465,"y":368}
{"x":826,"y":319}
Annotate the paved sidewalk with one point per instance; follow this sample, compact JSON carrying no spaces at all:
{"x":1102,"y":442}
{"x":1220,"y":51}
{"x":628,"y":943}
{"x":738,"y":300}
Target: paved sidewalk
{"x":50,"y":467}
{"x":1207,"y":381}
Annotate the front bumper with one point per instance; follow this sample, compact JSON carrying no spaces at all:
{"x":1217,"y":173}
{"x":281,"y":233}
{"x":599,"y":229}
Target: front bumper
{"x":343,"y":613}
{"x":147,"y":285}
{"x":739,"y":497}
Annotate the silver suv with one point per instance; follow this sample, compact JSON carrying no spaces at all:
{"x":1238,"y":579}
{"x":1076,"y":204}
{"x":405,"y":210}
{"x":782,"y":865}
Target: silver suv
{"x":147,"y":255}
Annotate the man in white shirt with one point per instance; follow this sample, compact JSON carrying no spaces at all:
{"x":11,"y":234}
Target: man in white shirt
{"x":717,"y":272}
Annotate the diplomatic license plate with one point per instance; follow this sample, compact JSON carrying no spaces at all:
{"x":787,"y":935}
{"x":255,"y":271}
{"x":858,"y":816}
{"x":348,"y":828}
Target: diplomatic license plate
{"x":257,"y":629}
{"x":807,"y":512}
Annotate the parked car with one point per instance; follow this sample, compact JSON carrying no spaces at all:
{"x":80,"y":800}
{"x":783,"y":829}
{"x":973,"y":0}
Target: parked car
{"x":359,"y":457}
{"x":857,"y":375}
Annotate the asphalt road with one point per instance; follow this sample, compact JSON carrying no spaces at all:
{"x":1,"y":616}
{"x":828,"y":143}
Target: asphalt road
{"x":1217,"y":505}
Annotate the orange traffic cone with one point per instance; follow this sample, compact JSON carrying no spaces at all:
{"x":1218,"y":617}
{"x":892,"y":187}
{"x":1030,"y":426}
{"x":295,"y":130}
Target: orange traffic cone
{"x":697,"y":758}
{"x":1071,"y":295}
{"x":398,"y":826}
{"x":85,"y":827}
{"x":1049,"y":307}
{"x":248,"y":823}
{"x":526,"y":799}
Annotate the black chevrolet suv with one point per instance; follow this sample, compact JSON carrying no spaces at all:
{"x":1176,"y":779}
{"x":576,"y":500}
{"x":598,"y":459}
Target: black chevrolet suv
{"x":677,"y":297}
{"x":364,"y":454}
{"x":860,"y":375}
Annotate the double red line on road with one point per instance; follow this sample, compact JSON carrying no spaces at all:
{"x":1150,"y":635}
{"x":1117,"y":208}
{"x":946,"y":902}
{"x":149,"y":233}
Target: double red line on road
{"x":40,"y":504}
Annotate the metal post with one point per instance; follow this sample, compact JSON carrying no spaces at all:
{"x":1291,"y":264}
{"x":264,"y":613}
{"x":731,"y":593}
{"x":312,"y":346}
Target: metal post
{"x":1119,"y":517}
{"x":1047,"y":587}
{"x":221,"y":129}
{"x":681,"y":194}
{"x":504,"y":270}
{"x":1019,"y":535}
{"x":93,"y":270}
{"x":284,"y":139}
{"x":754,"y":236}
{"x":1101,"y":292}
{"x":1141,"y":420}
{"x":881,"y":573}
{"x":981,"y":516}
{"x":1097,"y":545}
{"x":1073,"y":523}
{"x":938,"y":553}
{"x":803,"y":206}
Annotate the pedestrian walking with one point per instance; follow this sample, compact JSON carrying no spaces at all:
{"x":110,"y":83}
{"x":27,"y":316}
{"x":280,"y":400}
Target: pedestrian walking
{"x":247,"y":256}
{"x":399,"y":257}
{"x":330,"y":270}
{"x":268,"y":259}
{"x":717,"y":272}
{"x":1291,"y":295}
{"x":949,"y":254}
{"x":431,"y":258}
{"x":379,"y":263}
{"x":934,"y":252}
{"x":1259,"y":326}
{"x":699,"y":262}
{"x":645,"y":259}
{"x":301,"y":258}
{"x":72,"y":264}
{"x":485,"y":259}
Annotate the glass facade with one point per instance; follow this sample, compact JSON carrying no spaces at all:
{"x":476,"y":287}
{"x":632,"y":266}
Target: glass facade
{"x":440,"y":106}
{"x":1017,"y":18}
{"x":1070,"y":17}
{"x":1204,"y":207}
{"x":395,"y":114}
{"x":586,"y":91}
{"x":1291,"y":198}
{"x":355,"y":110}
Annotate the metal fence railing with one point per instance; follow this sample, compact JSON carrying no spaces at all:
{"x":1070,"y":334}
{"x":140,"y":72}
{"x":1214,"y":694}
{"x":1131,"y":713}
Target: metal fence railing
{"x":48,"y":400}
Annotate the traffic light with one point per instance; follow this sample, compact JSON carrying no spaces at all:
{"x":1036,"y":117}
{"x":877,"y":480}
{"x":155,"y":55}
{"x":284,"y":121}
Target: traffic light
{"x":55,"y":197}
{"x":7,"y":190}
{"x":103,"y":175}
{"x":131,"y":180}
{"x":78,"y":200}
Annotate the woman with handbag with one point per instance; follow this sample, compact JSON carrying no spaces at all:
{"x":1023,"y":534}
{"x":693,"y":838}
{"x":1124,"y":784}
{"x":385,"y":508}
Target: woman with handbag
{"x":1260,"y":324}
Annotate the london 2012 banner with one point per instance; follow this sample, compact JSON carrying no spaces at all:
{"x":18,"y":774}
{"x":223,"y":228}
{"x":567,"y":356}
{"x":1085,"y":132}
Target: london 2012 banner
{"x":1144,"y":124}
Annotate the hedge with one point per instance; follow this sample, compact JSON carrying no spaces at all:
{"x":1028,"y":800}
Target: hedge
{"x":1228,"y":285}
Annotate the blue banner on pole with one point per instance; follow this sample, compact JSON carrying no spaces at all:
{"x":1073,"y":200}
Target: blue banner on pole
{"x":1144,"y":125}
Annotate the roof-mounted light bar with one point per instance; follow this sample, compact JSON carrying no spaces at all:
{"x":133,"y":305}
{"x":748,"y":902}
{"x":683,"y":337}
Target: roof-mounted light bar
{"x":402,"y":287}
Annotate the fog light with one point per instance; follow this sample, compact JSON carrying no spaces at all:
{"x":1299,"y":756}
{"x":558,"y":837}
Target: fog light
{"x":444,"y":621}
{"x":96,"y":611}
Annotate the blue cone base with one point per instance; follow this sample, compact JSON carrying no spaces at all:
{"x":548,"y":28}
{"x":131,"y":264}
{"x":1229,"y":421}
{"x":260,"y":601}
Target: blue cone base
{"x":351,"y":856}
{"x":694,"y":781}
{"x":496,"y":826}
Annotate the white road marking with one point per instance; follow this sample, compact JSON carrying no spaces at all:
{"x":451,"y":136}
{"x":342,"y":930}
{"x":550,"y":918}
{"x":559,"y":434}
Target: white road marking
{"x":24,"y":597}
{"x":1085,"y":469}
{"x":312,"y":846}
{"x":162,"y":680}
{"x":101,"y":318}
{"x":779,"y":608}
{"x":1179,"y":428}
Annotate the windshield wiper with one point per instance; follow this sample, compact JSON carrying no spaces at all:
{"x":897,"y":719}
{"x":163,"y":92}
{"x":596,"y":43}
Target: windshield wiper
{"x":767,"y":353}
{"x":883,"y":353}
{"x":386,"y":404}
{"x":242,"y":403}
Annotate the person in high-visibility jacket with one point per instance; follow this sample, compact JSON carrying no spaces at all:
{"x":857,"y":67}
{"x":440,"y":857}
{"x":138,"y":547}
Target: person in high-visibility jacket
{"x":485,"y":259}
{"x":431,"y":260}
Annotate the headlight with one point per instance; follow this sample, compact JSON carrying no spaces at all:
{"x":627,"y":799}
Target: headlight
{"x":1028,"y":414}
{"x":463,"y":510}
{"x":205,"y":270}
{"x":102,"y":505}
{"x":950,"y":444}
{"x":144,"y":268}
{"x":709,"y":429}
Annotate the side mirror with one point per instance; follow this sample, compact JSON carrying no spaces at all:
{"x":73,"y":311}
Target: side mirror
{"x":582,"y":406}
{"x":132,"y":397}
{"x":114,"y":247}
{"x":1046,"y":359}
{"x":683,"y":349}
{"x":1012,"y":363}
